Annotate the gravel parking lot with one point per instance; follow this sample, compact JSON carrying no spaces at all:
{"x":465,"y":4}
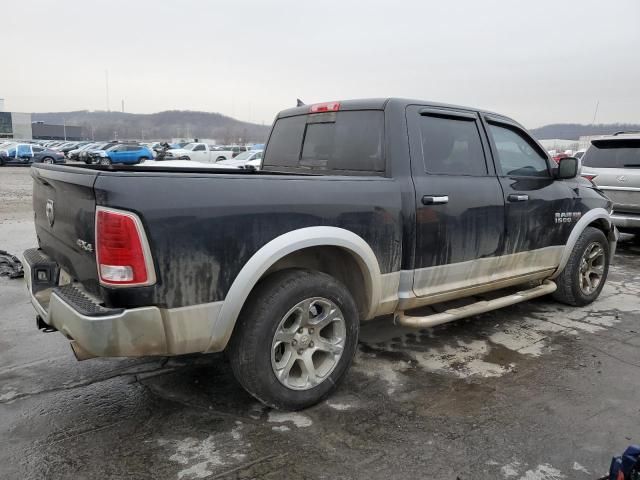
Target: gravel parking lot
{"x":535,"y":391}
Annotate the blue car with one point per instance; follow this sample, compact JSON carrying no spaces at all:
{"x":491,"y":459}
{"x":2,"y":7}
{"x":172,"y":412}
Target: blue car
{"x":127,"y":154}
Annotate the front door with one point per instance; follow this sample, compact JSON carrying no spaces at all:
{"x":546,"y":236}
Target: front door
{"x":540,"y":210}
{"x":200,"y":153}
{"x":459,"y":201}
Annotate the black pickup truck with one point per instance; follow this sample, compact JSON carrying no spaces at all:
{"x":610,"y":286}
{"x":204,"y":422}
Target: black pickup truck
{"x":362,"y":208}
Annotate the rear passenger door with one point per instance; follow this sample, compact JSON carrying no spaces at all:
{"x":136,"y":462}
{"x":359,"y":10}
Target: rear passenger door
{"x":459,"y":202}
{"x":540,"y":210}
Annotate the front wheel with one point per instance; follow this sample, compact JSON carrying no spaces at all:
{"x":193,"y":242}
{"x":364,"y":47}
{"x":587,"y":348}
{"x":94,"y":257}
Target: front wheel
{"x":295,"y":339}
{"x":585,"y":274}
{"x":105,"y":161}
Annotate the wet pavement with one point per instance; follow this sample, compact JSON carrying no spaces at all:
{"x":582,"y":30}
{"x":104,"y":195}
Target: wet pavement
{"x":535,"y":391}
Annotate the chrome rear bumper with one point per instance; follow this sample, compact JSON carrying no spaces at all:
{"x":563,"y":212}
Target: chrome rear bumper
{"x":105,"y":332}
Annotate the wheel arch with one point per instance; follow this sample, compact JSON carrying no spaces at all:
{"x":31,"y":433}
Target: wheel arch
{"x":310,"y":247}
{"x":598,"y":218}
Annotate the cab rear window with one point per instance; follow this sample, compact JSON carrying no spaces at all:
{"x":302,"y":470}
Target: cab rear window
{"x":613,"y":154}
{"x":333,"y":142}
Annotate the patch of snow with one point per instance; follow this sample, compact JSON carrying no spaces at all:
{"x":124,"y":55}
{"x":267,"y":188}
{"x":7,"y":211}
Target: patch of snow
{"x":463,"y":360}
{"x":579,"y":468}
{"x":339,"y":406}
{"x":11,"y":394}
{"x":543,"y":472}
{"x":298,"y":419}
{"x":280,"y":428}
{"x":510,"y":470}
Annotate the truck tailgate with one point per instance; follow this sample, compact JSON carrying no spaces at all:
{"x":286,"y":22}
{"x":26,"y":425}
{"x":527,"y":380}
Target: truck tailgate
{"x":64,"y":207}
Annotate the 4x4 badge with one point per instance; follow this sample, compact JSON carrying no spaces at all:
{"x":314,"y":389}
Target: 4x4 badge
{"x":51,"y":213}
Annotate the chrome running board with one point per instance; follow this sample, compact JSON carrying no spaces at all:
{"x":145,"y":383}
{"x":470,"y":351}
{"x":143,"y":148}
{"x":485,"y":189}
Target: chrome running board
{"x":547,"y":287}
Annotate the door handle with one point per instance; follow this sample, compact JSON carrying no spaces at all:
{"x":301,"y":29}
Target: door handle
{"x":518,"y":197}
{"x":435,"y":199}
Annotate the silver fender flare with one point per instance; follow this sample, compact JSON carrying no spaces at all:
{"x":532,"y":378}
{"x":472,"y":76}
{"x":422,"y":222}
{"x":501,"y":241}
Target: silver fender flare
{"x":584,"y":222}
{"x":277,"y":249}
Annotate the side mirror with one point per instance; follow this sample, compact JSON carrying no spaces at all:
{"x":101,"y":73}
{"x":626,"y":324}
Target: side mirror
{"x":567,"y":168}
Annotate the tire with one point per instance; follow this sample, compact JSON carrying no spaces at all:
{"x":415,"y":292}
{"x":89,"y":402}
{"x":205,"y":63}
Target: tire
{"x":48,"y":160}
{"x":571,"y":282}
{"x":275,"y":307}
{"x":184,"y":157}
{"x":105,"y":161}
{"x":220,"y":158}
{"x":143,"y":159}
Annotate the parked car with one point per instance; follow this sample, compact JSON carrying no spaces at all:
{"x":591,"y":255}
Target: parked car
{"x":252,"y":158}
{"x":27,"y":153}
{"x":559,"y":156}
{"x":579,"y":154}
{"x":199,"y":152}
{"x":125,"y":154}
{"x":67,"y":148}
{"x":75,"y":153}
{"x":362,"y":208}
{"x":613,"y":164}
{"x":236,"y":149}
{"x":92,"y":155}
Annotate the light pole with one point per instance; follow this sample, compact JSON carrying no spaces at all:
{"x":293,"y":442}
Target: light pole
{"x":64,"y":127}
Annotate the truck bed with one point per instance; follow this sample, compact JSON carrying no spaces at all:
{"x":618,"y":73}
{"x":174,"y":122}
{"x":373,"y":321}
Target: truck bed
{"x":203,"y":226}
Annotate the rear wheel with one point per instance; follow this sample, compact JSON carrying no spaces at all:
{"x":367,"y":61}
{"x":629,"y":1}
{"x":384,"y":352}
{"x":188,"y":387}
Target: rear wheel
{"x":105,"y":161}
{"x":220,"y":158}
{"x":48,"y":160}
{"x":584,"y":275}
{"x":142,"y":159}
{"x":295,"y":339}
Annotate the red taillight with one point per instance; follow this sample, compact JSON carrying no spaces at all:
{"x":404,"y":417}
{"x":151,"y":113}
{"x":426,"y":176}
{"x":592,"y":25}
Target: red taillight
{"x":325,"y":107}
{"x":120,"y":253}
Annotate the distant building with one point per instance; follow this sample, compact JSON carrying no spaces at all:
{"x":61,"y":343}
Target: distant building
{"x":15,"y":125}
{"x":18,"y":126}
{"x":45,"y":131}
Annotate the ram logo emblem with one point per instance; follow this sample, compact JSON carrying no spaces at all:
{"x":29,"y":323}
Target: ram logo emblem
{"x":51,"y":213}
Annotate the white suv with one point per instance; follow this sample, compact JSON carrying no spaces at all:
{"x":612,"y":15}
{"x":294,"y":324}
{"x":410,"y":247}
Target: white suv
{"x":613,"y":164}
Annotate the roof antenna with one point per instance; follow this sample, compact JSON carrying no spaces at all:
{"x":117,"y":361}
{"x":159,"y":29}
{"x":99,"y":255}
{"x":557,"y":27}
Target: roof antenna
{"x":299,"y":103}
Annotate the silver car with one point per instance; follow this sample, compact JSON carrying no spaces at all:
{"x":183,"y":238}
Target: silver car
{"x":613,"y":164}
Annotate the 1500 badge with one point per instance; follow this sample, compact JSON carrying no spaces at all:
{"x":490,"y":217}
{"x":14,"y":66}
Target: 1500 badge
{"x":567,"y":217}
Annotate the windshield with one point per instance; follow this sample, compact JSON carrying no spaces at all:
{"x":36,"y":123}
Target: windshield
{"x":613,"y":154}
{"x":189,"y":146}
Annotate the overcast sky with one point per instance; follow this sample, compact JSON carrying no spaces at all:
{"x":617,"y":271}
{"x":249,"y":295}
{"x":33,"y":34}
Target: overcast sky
{"x":539,"y":61}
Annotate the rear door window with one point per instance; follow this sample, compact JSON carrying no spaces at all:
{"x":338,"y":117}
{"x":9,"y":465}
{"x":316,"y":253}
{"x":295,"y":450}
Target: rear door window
{"x":451,"y":146}
{"x":624,"y":153}
{"x":346,"y":142}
